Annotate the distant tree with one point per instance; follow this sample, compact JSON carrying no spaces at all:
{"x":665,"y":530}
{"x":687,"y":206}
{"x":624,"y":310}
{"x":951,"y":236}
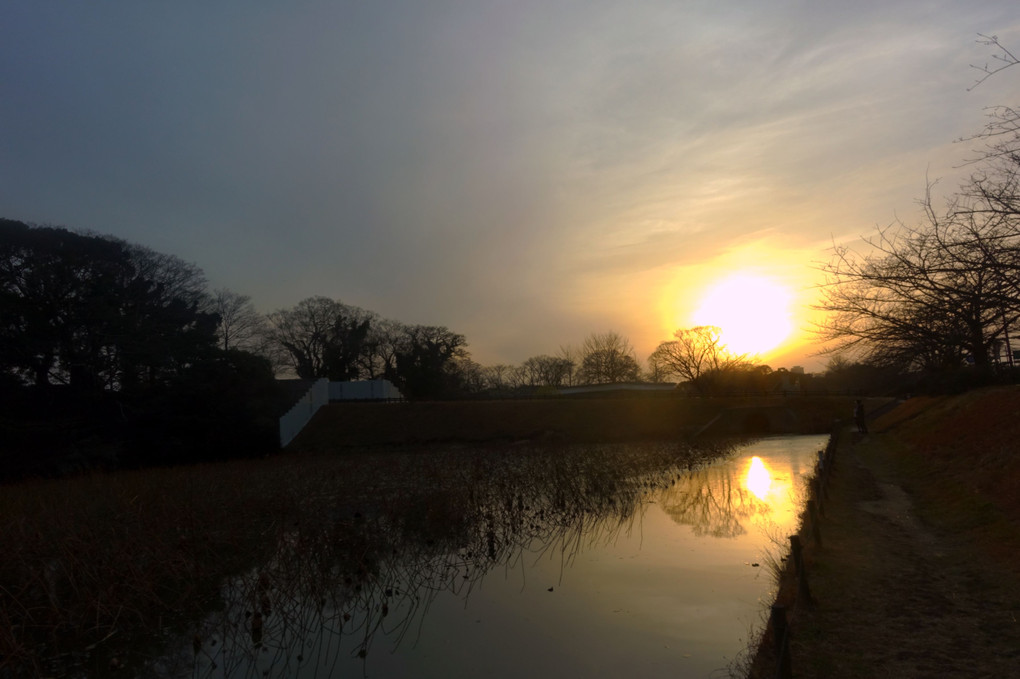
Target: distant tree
{"x":844,"y":375}
{"x":607,"y":358}
{"x":571,"y":356}
{"x":746,"y":378}
{"x":546,"y":370}
{"x":225,"y":406}
{"x":241,"y":326}
{"x":517,"y":377}
{"x":379,"y":355}
{"x":469,"y":376}
{"x":497,"y":376}
{"x":425,"y":361}
{"x":694,"y":355}
{"x":657,"y":372}
{"x":51,"y":281}
{"x":322,"y":337}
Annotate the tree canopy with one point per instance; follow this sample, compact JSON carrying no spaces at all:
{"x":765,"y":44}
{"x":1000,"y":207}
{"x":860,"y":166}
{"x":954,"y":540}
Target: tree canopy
{"x":694,"y":356}
{"x":96,"y":313}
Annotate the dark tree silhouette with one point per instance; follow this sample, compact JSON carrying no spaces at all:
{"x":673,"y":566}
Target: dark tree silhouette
{"x":241,"y":326}
{"x":108,"y":356}
{"x":607,"y":358}
{"x":928,"y":296}
{"x":96,"y":313}
{"x":425,"y":365}
{"x":694,"y":356}
{"x":322,"y":337}
{"x":934,"y":295}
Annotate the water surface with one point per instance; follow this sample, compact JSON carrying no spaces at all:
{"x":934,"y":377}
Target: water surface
{"x":664,"y":575}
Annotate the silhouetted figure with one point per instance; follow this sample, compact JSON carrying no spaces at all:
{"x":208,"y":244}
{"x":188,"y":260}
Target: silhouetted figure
{"x":859,"y":417}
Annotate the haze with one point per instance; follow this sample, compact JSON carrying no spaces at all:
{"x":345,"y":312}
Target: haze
{"x":523,"y":173}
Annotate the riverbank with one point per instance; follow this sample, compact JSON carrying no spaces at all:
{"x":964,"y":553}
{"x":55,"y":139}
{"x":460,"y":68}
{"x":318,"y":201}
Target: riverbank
{"x":644,"y":417}
{"x":917,"y":574}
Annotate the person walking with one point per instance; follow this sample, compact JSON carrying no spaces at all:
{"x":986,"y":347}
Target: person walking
{"x":859,"y":417}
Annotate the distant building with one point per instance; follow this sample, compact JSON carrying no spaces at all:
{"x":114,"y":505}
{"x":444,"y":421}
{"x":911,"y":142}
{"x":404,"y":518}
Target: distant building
{"x":797,"y":370}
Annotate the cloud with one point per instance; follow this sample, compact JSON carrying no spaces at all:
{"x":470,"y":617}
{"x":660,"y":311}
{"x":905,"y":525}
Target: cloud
{"x":515,"y":171}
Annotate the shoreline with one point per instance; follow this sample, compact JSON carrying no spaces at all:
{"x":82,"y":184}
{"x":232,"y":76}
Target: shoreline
{"x":916,"y":573}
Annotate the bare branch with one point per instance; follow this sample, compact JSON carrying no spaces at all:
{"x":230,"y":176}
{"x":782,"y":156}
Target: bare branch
{"x":1000,"y":61}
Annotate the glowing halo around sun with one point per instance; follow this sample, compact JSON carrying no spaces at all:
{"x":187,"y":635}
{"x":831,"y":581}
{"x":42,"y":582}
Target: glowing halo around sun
{"x":753,"y":313}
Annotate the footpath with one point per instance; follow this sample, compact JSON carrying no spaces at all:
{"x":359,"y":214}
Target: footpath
{"x":918,"y":569}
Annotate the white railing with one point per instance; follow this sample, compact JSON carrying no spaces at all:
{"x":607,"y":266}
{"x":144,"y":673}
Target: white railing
{"x":301,"y":413}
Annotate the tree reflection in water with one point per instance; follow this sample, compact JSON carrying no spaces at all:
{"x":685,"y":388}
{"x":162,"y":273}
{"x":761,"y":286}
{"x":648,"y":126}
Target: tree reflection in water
{"x":713,"y":501}
{"x":357,"y":566}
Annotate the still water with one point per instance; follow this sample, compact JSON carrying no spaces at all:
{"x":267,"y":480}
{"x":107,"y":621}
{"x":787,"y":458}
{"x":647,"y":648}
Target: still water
{"x":666,"y":580}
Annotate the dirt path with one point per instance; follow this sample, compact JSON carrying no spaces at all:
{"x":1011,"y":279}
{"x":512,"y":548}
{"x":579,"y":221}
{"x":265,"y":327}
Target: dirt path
{"x":897,"y":593}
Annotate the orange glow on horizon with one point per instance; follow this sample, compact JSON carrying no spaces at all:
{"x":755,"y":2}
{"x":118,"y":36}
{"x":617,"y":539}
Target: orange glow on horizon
{"x":760,"y":294}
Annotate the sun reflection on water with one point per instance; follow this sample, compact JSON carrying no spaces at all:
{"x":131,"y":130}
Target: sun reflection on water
{"x":758,"y":480}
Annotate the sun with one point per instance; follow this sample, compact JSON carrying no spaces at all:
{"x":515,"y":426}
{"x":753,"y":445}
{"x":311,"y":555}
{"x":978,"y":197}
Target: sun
{"x":753,"y":313}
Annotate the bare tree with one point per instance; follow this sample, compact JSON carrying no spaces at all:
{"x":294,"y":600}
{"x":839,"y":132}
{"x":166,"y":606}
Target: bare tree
{"x":947,"y":290}
{"x":241,"y":325}
{"x":927,"y":296}
{"x":471,"y":375}
{"x":517,"y":377}
{"x":693,"y":355}
{"x":571,"y":356}
{"x":546,"y":370}
{"x":1002,"y":58}
{"x":497,"y":376}
{"x":607,"y":358}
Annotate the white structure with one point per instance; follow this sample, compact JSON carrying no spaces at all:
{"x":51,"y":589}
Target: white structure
{"x":322,"y":392}
{"x":301,"y":412}
{"x":364,"y":390}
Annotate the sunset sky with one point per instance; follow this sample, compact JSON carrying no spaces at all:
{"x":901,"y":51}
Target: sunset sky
{"x":524,"y":173}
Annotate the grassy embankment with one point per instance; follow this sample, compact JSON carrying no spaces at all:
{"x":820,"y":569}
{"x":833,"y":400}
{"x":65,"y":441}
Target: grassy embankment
{"x":918,"y":574}
{"x":579,"y":420}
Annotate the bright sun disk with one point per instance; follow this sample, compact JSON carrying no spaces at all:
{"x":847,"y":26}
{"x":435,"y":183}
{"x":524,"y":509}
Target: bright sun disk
{"x":753,"y":313}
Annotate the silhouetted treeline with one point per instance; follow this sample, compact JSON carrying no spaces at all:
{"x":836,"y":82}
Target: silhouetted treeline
{"x":109,"y":358}
{"x":324,"y":338}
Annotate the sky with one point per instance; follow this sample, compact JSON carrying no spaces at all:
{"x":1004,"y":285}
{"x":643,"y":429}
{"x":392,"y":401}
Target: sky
{"x":524,"y":173}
